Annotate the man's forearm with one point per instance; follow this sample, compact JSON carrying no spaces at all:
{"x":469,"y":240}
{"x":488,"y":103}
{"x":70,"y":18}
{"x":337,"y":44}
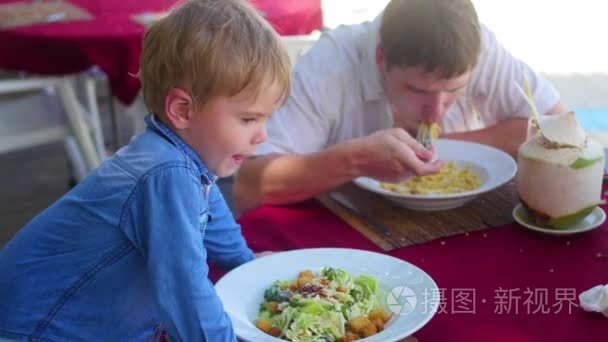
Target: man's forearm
{"x":507,"y":135}
{"x":284,"y":179}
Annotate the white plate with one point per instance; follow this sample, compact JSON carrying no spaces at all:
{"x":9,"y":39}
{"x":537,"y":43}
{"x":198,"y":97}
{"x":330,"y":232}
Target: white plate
{"x":493,"y":167}
{"x":591,"y":221}
{"x":242,"y":289}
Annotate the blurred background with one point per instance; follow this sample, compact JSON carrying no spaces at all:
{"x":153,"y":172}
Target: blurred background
{"x":565,"y":40}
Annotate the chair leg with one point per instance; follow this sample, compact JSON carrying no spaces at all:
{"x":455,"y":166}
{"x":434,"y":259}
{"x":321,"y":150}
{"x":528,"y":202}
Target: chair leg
{"x":72,"y":179}
{"x":78,"y":123}
{"x":94,"y":113}
{"x":137,"y":111}
{"x":79,"y":168}
{"x":114,"y":120}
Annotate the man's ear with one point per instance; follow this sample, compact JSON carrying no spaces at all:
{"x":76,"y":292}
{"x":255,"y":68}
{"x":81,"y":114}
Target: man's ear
{"x":380,"y":57}
{"x":179,"y":108}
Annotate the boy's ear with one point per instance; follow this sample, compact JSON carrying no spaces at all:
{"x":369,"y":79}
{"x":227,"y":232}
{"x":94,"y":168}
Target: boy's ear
{"x":179,"y":108}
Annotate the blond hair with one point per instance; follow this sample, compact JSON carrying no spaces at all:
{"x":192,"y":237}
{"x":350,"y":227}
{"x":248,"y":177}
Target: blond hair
{"x":211,"y":48}
{"x":438,"y":35}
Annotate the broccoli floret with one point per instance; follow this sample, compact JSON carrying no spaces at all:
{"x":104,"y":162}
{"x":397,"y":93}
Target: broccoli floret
{"x":272,"y":294}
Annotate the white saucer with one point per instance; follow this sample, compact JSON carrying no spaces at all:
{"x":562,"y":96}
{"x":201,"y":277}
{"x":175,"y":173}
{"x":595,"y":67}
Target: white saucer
{"x":591,"y":221}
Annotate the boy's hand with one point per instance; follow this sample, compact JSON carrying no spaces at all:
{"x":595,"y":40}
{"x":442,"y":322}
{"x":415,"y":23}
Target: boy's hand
{"x":262,"y":254}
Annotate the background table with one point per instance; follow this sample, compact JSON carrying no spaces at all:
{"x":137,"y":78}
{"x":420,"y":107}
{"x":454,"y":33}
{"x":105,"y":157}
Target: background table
{"x":112,"y":40}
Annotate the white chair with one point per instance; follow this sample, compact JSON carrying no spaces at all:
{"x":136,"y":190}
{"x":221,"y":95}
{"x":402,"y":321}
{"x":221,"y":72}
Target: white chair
{"x":298,"y":45}
{"x":46,"y":109}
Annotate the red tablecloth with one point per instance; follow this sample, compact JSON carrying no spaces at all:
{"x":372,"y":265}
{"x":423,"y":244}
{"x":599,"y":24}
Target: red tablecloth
{"x":292,"y":17}
{"x":493,"y":266}
{"x":113,"y":41}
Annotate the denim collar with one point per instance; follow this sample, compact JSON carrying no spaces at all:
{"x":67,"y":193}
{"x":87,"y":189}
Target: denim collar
{"x":164,"y":131}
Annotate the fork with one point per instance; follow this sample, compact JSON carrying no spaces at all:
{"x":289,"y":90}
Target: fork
{"x":424,"y":135}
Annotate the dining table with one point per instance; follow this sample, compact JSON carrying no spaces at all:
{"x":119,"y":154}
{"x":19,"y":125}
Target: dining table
{"x":504,"y":283}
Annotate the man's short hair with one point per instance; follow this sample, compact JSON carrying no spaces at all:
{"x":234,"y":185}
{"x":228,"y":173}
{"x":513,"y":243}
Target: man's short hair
{"x":211,"y":48}
{"x":439,"y":35}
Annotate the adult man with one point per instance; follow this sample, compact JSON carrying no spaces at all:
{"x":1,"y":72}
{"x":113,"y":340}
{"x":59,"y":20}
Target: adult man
{"x":359,"y":94}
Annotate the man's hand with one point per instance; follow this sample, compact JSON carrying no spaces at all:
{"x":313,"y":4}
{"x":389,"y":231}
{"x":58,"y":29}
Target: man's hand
{"x":392,"y":155}
{"x":389,"y":155}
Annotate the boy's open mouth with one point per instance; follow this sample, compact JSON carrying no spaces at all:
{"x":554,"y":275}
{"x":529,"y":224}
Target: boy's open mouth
{"x":238,"y":158}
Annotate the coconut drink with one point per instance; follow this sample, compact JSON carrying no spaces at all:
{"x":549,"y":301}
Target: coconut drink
{"x":560,"y":171}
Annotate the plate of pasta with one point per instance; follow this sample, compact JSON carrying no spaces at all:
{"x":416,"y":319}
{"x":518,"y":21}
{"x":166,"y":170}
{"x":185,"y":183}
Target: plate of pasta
{"x":469,"y":170}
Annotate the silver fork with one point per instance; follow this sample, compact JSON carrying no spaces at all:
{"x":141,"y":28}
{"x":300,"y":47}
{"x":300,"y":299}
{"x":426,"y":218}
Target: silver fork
{"x":423,"y":136}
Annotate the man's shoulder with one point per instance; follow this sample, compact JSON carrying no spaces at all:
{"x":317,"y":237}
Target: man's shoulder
{"x":336,"y":54}
{"x":335,"y":67}
{"x":484,"y":75}
{"x":489,"y":49}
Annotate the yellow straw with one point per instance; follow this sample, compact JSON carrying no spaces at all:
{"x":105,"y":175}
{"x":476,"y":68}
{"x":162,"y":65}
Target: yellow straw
{"x":529,"y":98}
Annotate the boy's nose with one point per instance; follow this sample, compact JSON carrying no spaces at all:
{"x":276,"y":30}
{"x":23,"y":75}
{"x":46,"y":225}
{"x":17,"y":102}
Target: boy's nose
{"x":260,"y":137}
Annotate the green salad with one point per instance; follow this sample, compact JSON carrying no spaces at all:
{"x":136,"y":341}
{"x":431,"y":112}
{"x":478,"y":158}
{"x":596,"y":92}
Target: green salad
{"x":330,"y":306}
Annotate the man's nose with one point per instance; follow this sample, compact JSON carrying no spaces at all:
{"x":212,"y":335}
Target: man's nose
{"x":435,"y":107}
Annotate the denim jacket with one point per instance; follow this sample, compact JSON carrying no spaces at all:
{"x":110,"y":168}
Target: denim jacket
{"x":125,"y":251}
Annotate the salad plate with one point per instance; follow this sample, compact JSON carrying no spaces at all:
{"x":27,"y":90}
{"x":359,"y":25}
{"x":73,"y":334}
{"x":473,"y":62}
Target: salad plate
{"x":407,"y":294}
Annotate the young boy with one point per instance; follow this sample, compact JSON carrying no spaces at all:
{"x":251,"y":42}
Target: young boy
{"x":125,"y":251}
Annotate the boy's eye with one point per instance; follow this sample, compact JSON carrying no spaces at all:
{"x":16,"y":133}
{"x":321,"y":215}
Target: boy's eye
{"x":248,"y":121}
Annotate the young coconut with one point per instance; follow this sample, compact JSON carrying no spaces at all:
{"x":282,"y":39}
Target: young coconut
{"x":560,"y":171}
